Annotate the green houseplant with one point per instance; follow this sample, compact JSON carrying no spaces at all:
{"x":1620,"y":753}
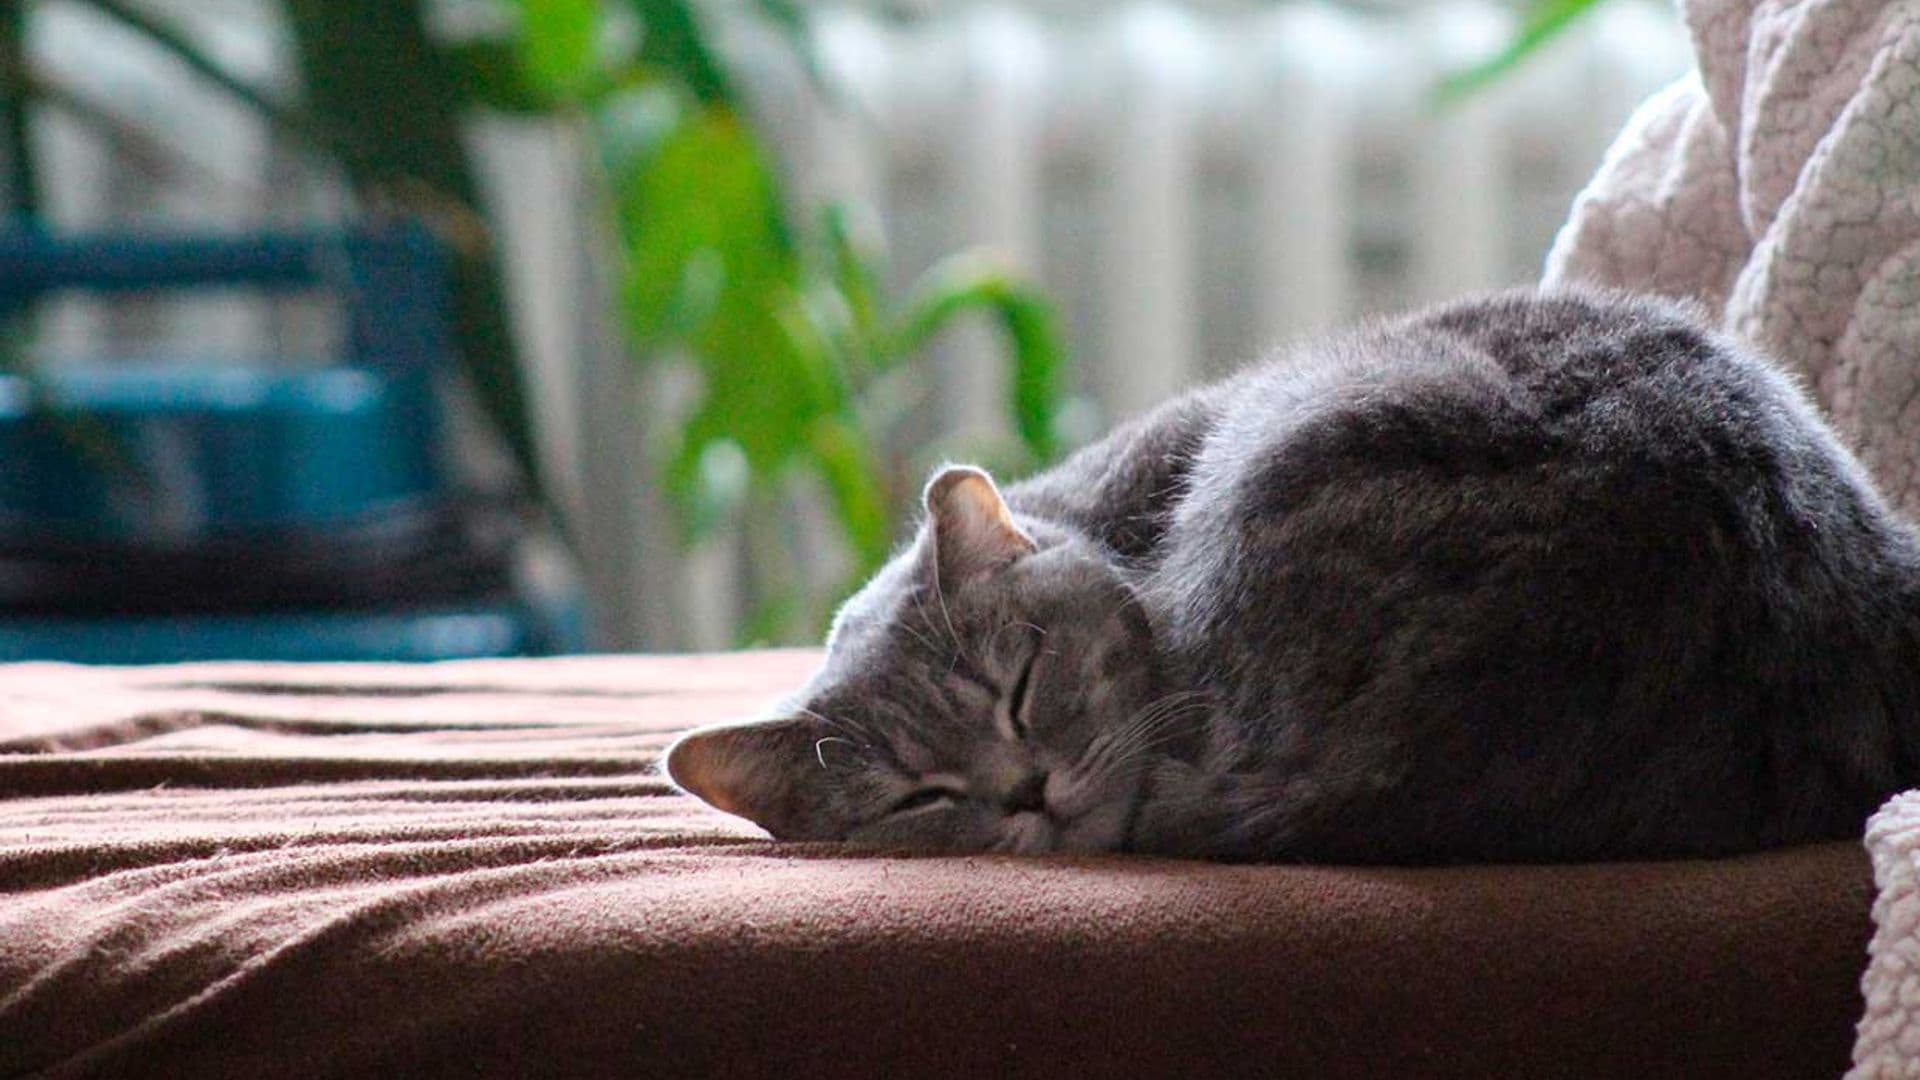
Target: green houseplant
{"x":797,"y":347}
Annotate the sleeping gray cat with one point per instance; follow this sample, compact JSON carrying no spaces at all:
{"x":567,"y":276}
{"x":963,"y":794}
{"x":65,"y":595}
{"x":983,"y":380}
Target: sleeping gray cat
{"x":1532,"y":577}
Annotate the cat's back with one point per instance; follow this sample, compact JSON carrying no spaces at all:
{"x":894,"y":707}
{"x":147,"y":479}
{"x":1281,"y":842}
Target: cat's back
{"x":1517,"y":378}
{"x":1532,"y":534}
{"x":1612,"y":373}
{"x":1628,"y":405}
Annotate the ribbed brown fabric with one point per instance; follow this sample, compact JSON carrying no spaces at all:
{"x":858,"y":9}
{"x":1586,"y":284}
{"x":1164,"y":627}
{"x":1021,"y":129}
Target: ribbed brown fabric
{"x":472,"y":870}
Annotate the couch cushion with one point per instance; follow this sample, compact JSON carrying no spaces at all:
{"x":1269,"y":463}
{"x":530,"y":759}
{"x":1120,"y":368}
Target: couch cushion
{"x":474,"y":869}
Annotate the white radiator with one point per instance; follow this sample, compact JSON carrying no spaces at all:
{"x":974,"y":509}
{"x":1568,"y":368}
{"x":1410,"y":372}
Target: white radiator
{"x":1192,"y":182}
{"x":1197,"y":182}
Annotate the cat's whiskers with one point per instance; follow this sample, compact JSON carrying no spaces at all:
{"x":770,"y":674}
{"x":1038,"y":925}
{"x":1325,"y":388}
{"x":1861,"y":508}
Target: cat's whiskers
{"x":1113,"y":752}
{"x":1158,"y":713}
{"x":946,"y":618}
{"x":846,"y":731}
{"x":1115,"y":758}
{"x":1155,"y":725}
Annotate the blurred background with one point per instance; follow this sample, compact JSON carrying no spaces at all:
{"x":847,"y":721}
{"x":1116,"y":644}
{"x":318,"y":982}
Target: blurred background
{"x":369,"y":329}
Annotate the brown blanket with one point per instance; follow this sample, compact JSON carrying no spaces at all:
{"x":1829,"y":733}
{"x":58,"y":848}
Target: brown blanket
{"x":472,"y":870}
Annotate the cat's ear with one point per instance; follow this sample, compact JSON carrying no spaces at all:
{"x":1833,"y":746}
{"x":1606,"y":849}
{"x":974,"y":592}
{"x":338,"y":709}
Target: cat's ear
{"x":973,"y":531}
{"x":771,"y":772}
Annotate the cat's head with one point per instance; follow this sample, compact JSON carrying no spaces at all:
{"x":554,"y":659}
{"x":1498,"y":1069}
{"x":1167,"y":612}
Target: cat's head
{"x":994,"y":687}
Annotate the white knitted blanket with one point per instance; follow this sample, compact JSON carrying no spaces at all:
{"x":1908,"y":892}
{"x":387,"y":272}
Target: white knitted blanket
{"x":1888,"y":1043}
{"x":1780,"y":187}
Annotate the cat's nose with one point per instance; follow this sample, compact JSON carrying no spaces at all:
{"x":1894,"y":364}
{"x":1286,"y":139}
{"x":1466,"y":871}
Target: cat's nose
{"x":1030,"y":794}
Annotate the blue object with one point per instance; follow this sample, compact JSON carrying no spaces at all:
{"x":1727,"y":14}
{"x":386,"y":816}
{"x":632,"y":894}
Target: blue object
{"x":486,"y":630}
{"x":244,"y":490}
{"x":392,"y":279}
{"x":180,"y":453}
{"x":177,"y":451}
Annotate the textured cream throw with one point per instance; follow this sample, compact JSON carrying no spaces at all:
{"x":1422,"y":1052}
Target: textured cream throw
{"x":1780,"y":187}
{"x":1888,"y":1043}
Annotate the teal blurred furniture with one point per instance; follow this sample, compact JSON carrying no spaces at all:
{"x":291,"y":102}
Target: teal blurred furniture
{"x":162,"y":508}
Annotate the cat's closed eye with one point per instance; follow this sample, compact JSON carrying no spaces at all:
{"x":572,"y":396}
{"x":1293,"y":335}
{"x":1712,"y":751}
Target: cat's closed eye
{"x":1017,"y":698}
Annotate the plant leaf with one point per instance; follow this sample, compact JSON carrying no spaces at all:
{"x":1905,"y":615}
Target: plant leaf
{"x":856,"y":263}
{"x":693,"y":189}
{"x":674,"y":39}
{"x":793,"y":23}
{"x":16,"y":142}
{"x":1544,"y":20}
{"x":556,"y":44}
{"x":493,"y":75}
{"x":963,"y":283}
{"x":710,"y":271}
{"x":857,"y":485}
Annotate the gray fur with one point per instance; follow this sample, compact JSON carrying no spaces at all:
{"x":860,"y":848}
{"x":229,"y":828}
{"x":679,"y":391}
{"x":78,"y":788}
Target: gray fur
{"x":1531,"y":577}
